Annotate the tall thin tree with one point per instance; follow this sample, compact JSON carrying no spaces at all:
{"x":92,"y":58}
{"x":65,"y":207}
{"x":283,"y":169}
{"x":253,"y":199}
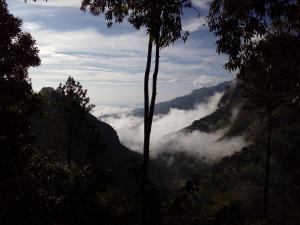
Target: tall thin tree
{"x":76,"y":104}
{"x":162,"y":21}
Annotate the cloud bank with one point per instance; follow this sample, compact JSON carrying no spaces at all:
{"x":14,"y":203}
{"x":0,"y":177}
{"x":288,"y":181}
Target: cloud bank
{"x":204,"y":145}
{"x":165,"y":135}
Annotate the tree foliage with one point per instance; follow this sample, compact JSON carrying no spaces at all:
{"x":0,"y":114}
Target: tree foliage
{"x":262,"y":40}
{"x":163,"y":16}
{"x":17,"y":100}
{"x":75,"y":95}
{"x":75,"y":104}
{"x":238,"y":25}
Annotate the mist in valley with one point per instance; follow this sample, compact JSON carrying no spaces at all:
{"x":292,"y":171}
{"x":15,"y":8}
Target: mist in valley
{"x":167,"y":132}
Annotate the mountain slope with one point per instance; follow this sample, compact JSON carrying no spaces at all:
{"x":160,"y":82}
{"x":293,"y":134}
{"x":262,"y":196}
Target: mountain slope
{"x":223,"y":115}
{"x":94,"y":142}
{"x":186,"y":102}
{"x":233,"y":114}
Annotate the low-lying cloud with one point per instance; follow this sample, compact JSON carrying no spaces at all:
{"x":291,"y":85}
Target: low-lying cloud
{"x":109,"y":110}
{"x":205,"y":145}
{"x":165,"y":135}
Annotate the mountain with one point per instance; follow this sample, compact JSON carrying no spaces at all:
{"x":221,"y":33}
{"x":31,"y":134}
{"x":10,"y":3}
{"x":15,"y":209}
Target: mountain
{"x":93,"y":142}
{"x":231,"y":188}
{"x":234,"y":114}
{"x":186,"y":102}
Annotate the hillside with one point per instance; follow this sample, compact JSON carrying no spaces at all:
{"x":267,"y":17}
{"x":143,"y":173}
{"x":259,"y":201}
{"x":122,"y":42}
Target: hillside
{"x":94,"y":142}
{"x":233,"y":114}
{"x":230,"y":190}
{"x":186,"y":102}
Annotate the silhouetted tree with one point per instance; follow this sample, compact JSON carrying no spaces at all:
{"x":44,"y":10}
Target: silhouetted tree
{"x":259,"y":37}
{"x":162,"y":21}
{"x":17,"y":100}
{"x":76,"y":104}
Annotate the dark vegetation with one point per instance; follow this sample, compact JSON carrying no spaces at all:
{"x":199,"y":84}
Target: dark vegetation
{"x":60,"y":165}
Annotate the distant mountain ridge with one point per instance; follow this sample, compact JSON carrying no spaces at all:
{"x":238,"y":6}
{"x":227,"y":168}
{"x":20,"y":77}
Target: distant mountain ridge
{"x":187,"y":102}
{"x":233,"y":114}
{"x":222,"y":117}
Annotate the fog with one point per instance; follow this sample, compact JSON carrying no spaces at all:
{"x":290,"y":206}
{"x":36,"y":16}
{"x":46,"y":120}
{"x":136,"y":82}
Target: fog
{"x":165,"y":135}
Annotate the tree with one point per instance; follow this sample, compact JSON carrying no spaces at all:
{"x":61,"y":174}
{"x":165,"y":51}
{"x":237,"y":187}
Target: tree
{"x":17,"y":100}
{"x":76,"y":104}
{"x":267,"y":81}
{"x":261,"y":39}
{"x":162,"y":21}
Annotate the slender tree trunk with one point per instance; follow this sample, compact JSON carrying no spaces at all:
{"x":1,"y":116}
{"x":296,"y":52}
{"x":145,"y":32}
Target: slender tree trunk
{"x":148,"y":132}
{"x":154,"y":85}
{"x":144,"y":179}
{"x":268,"y":159}
{"x":69,"y":158}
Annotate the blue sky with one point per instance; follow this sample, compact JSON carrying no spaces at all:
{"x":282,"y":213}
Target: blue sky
{"x":110,"y":62}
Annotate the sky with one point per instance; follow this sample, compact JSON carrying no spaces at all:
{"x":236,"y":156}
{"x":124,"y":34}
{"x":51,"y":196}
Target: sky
{"x":110,"y":62}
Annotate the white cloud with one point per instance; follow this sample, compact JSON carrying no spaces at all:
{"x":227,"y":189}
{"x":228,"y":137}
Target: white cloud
{"x":108,"y":110}
{"x":195,"y":24}
{"x":72,"y":43}
{"x":88,"y":52}
{"x":205,"y":145}
{"x":121,"y":57}
{"x":165,"y":136}
{"x":130,"y":128}
{"x":208,"y":81}
{"x":31,"y":26}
